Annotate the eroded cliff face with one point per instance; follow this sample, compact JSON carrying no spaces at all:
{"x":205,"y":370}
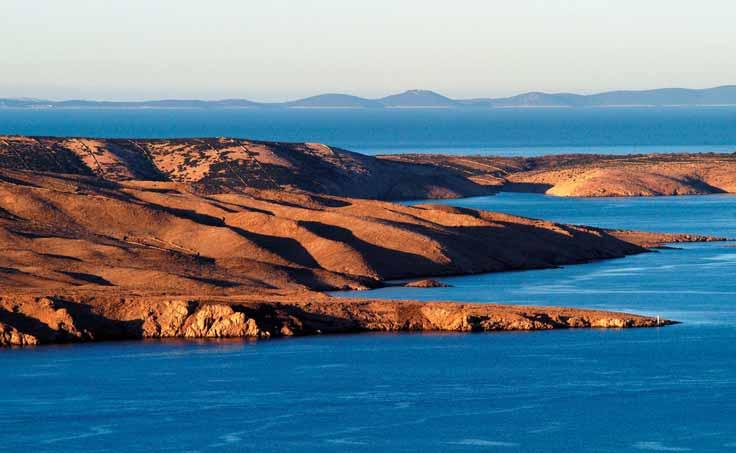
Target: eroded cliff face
{"x":30,"y":320}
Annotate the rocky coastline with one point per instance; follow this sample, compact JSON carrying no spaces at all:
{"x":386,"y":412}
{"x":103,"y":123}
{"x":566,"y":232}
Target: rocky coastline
{"x":32,"y":320}
{"x":209,"y":238}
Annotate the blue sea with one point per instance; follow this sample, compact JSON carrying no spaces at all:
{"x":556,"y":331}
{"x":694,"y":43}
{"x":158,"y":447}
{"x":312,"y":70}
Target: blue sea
{"x":662,"y":389}
{"x":453,"y":131}
{"x":669,"y":389}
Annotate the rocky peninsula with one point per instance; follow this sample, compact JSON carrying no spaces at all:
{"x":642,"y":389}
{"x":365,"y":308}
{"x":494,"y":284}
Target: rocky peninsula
{"x":27,"y":320}
{"x":112,"y":239}
{"x":590,"y":175}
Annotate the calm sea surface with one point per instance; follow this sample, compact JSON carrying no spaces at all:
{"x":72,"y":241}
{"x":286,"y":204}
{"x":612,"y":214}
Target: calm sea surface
{"x":667,"y":389}
{"x":458,"y":131}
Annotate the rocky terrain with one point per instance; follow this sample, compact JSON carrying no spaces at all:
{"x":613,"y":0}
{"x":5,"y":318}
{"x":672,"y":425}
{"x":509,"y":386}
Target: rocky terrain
{"x":67,"y":231}
{"x":30,"y":319}
{"x":585,"y":175}
{"x":161,"y":238}
{"x":426,"y":283}
{"x":225,"y":165}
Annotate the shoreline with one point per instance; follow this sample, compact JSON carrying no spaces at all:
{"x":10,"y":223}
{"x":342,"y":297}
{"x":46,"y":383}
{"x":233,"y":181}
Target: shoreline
{"x":106,"y":317}
{"x":199,"y":238}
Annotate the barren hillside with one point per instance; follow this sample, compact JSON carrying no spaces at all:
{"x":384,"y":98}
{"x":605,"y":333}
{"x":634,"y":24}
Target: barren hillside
{"x":585,"y":175}
{"x":231,"y":165}
{"x":107,"y":239}
{"x":61,"y":231}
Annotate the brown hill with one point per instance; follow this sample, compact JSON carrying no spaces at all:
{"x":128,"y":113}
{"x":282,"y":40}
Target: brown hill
{"x":220,"y":165}
{"x":60,"y":231}
{"x":131,"y":239}
{"x":646,"y":175}
{"x":148,"y":243}
{"x":587,"y":175}
{"x":229,"y":165}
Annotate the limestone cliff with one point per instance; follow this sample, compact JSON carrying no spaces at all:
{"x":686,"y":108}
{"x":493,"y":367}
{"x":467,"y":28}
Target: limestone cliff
{"x":59,"y":319}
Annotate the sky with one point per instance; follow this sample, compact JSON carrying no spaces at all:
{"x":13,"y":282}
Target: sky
{"x":270,"y":50}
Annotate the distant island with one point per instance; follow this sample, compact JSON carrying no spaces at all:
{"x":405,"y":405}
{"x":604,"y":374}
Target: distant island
{"x":664,"y":97}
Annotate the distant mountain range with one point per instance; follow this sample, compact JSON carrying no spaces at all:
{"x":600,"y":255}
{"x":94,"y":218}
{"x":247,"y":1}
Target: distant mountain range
{"x":724,"y":95}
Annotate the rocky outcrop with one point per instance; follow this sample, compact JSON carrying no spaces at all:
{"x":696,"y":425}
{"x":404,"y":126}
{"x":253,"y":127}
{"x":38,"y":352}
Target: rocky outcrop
{"x":10,"y":336}
{"x":427,"y":283}
{"x":29,"y":320}
{"x":26,"y":320}
{"x":187,"y":319}
{"x":657,"y":240}
{"x":219,"y":321}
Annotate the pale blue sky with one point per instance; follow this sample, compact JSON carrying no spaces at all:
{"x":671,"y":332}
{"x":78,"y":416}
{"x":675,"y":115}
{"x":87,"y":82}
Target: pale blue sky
{"x":282,"y":49}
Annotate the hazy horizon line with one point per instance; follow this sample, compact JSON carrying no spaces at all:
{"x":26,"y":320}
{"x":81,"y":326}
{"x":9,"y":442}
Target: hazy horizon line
{"x":371,"y":98}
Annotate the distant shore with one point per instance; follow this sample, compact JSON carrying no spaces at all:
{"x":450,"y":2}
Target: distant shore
{"x":665,"y":97}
